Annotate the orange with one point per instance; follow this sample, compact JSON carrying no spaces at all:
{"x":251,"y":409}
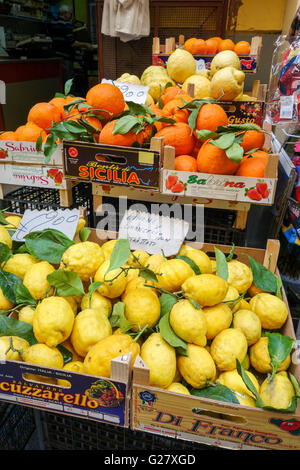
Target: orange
{"x":30,"y":132}
{"x":179,"y":136}
{"x":210,"y":117}
{"x":252,"y":167}
{"x":218,"y":39}
{"x":42,"y":114}
{"x":173,"y":111}
{"x":242,"y":48}
{"x":197,"y":147}
{"x":199,"y":47}
{"x":59,"y":103}
{"x":107,"y":97}
{"x":226,"y":45}
{"x":212,"y":159}
{"x":253,"y":140}
{"x":212,"y":46}
{"x":8,"y":135}
{"x":258,"y":153}
{"x":170,"y":93}
{"x":185,"y":163}
{"x":158,"y":113}
{"x":188,"y":45}
{"x":106,"y":136}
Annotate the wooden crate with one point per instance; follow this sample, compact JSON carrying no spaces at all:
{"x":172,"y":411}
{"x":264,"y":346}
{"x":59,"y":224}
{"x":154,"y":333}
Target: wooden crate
{"x":161,"y":53}
{"x":209,"y":421}
{"x":22,"y":165}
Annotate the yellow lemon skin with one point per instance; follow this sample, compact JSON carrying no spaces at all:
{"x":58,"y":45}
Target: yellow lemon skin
{"x":43,"y":355}
{"x":139,"y":283}
{"x":227,"y":84}
{"x":201,"y":86}
{"x":68,"y":345}
{"x":199,"y":257}
{"x":277,"y":393}
{"x":73,"y":303}
{"x":206,"y":289}
{"x":173,"y":273}
{"x":98,"y":360}
{"x":260,"y":358}
{"x":181,"y":65}
{"x":271,"y":310}
{"x":160,"y":357}
{"x":249,"y":323}
{"x":234,"y":381}
{"x":83,"y":258}
{"x":137,"y":258}
{"x":5,"y":304}
{"x":177,"y":387}
{"x":107,"y":248}
{"x":246,"y":362}
{"x":232,"y":299}
{"x":12,"y":347}
{"x":239,"y":276}
{"x":227,"y":346}
{"x":188,"y":322}
{"x":36,"y":281}
{"x":225,"y":59}
{"x":14,"y":221}
{"x":19,"y":264}
{"x":90,"y":327}
{"x":218,"y":318}
{"x":114,"y":282}
{"x":26,"y":314}
{"x":198,"y":367}
{"x":5,"y":237}
{"x":74,"y":366}
{"x":142,"y":308}
{"x":80,"y":225}
{"x":244,"y":305}
{"x":155,"y":261}
{"x":98,"y":302}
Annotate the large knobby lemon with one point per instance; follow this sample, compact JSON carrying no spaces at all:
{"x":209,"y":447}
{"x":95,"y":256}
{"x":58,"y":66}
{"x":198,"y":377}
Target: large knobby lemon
{"x":138,"y":258}
{"x":201,"y":86}
{"x":260,"y":358}
{"x":53,"y":321}
{"x":142,"y":308}
{"x":197,"y":368}
{"x":188,"y":322}
{"x":98,"y":302}
{"x":181,"y":65}
{"x":114,"y":282}
{"x":155,"y":261}
{"x":227,"y":84}
{"x":225,"y":59}
{"x":19,"y":264}
{"x":271,"y":310}
{"x":173,"y":273}
{"x":139,"y":283}
{"x":232,"y":299}
{"x":82,"y":258}
{"x":43,"y":355}
{"x":206,"y":289}
{"x":160,"y":358}
{"x":199,"y":257}
{"x":73,"y":366}
{"x":227,"y":346}
{"x":277,"y":393}
{"x":107,"y":248}
{"x":218,"y":318}
{"x":26,"y":314}
{"x":249,"y":323}
{"x":36,"y":280}
{"x":239,"y":276}
{"x":12,"y":347}
{"x":177,"y":387}
{"x":234,"y":381}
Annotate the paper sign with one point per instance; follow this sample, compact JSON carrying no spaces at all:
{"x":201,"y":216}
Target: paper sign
{"x":34,"y":221}
{"x":153,"y":233}
{"x":200,"y":64}
{"x":136,"y":93}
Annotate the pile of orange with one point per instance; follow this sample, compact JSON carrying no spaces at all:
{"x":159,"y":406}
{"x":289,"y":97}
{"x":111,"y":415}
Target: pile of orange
{"x":214,"y":45}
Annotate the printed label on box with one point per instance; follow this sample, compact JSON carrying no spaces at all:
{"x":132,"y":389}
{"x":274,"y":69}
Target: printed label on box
{"x":25,"y":152}
{"x":37,"y":176}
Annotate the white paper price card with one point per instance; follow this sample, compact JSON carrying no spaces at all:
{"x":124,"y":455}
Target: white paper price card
{"x":64,"y":220}
{"x":200,"y":64}
{"x":136,"y":93}
{"x":153,"y":233}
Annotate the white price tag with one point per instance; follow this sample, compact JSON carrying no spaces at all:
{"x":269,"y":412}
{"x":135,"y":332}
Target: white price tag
{"x":286,"y":107}
{"x":136,"y":93}
{"x":64,"y":220}
{"x":200,"y":64}
{"x":153,"y":233}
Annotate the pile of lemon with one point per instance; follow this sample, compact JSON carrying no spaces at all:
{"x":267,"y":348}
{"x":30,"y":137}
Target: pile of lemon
{"x":210,"y":314}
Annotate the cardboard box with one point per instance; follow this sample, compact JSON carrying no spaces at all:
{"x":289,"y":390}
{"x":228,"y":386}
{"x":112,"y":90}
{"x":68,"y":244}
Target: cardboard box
{"x":209,"y":421}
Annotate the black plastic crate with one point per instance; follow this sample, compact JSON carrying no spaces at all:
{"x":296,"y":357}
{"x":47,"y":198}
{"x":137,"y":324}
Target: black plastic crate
{"x":17,"y":425}
{"x":27,"y":197}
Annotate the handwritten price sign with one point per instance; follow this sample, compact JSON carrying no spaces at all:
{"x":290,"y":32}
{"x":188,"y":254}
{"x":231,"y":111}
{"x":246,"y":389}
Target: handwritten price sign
{"x":136,"y":93}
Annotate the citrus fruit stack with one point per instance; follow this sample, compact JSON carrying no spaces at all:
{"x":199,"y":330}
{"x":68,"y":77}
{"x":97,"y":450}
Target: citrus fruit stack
{"x":213,"y":45}
{"x":190,"y":323}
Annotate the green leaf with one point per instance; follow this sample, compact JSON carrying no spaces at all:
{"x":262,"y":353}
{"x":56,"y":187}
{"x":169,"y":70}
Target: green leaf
{"x":126,"y":124}
{"x":279,"y":287}
{"x":3,"y":220}
{"x":193,"y":302}
{"x":39,"y":143}
{"x":68,"y":86}
{"x":5,"y":253}
{"x":205,"y":134}
{"x":221,"y":263}
{"x":84,"y":234}
{"x":169,"y":335}
{"x":249,"y":384}
{"x":23,"y":295}
{"x":8,"y":283}
{"x":118,"y":318}
{"x":66,"y":353}
{"x":67,"y":283}
{"x":216,"y":392}
{"x":166,"y":303}
{"x":225,"y":141}
{"x":279,"y":347}
{"x":295,"y":384}
{"x":192,"y":119}
{"x":263,"y":277}
{"x":45,"y":250}
{"x":235,"y":153}
{"x":50,"y":147}
{"x":190,"y":262}
{"x":231,"y":254}
{"x":13,"y":327}
{"x":139,"y":109}
{"x":148,"y":274}
{"x":120,"y":254}
{"x":74,"y":127}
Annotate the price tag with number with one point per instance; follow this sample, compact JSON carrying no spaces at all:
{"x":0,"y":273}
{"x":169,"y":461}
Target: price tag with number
{"x":136,"y":93}
{"x":200,"y":64}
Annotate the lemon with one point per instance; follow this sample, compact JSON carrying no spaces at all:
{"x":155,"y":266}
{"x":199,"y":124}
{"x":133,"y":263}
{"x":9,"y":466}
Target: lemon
{"x":198,"y":367}
{"x":83,"y":258}
{"x":19,"y":264}
{"x":177,"y":377}
{"x":227,"y":83}
{"x":98,"y":302}
{"x":244,"y":400}
{"x":107,"y":248}
{"x":227,"y":346}
{"x":155,"y":261}
{"x":218,"y":318}
{"x":149,"y":100}
{"x":188,"y":322}
{"x":244,"y":305}
{"x":232,"y":299}
{"x":224,"y":59}
{"x":73,"y":366}
{"x":153,"y":71}
{"x":260,"y":358}
{"x":128,"y":78}
{"x":201,"y":86}
{"x":234,"y":381}
{"x":131,"y":273}
{"x":249,"y":323}
{"x":142,"y":308}
{"x":90,"y":327}
{"x":138,"y":283}
{"x":114,"y":282}
{"x":35,"y":280}
{"x":156,"y":84}
{"x":271,"y":310}
{"x":239,"y":276}
{"x":173,"y":273}
{"x":73,"y":303}
{"x":5,"y":237}
{"x":14,"y":221}
{"x":68,"y":345}
{"x":12,"y":347}
{"x":26,"y":314}
{"x":80,"y":225}
{"x":213,"y":266}
{"x":206,"y":289}
{"x":137,"y":258}
{"x":160,"y":357}
{"x":178,"y":388}
{"x":5,"y":304}
{"x":246,"y":362}
{"x":43,"y":355}
{"x":199,"y":257}
{"x":181,"y":65}
{"x":53,"y":321}
{"x":98,"y":360}
{"x":279,"y":392}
